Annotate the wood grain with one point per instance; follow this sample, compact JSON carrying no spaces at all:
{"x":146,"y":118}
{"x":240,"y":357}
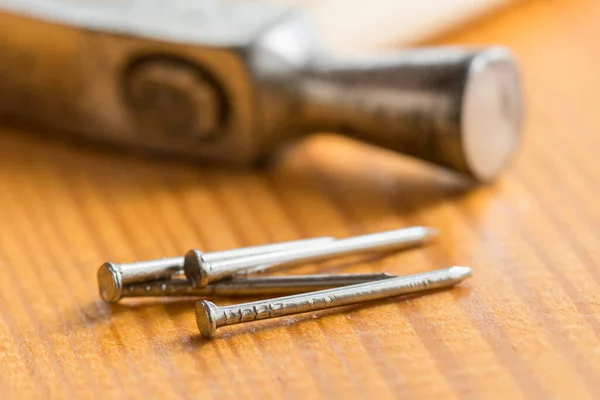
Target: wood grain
{"x":526,"y":326}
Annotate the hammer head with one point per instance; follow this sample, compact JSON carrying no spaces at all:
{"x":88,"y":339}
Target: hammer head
{"x":172,"y":77}
{"x":230,"y":81}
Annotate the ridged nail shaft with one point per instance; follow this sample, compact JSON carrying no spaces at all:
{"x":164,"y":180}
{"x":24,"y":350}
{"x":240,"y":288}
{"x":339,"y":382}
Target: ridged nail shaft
{"x":209,"y":317}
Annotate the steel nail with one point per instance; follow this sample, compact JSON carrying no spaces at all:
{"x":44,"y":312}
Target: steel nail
{"x":209,"y":317}
{"x":201,"y":271}
{"x":248,"y":286}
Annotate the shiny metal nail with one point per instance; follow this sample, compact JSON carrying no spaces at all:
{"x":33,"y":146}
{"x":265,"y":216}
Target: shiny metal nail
{"x":209,"y":317}
{"x":201,"y":271}
{"x":112,"y":277}
{"x":248,"y":286}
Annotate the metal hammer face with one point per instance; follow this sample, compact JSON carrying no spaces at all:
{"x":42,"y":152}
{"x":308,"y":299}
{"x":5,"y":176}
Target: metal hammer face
{"x":230,"y":81}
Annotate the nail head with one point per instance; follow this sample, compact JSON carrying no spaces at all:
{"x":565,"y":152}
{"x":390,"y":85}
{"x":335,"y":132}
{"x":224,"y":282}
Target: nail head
{"x":205,"y":318}
{"x":110,"y":284}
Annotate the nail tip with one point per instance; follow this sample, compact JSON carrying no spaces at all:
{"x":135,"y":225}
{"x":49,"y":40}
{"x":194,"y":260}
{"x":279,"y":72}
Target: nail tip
{"x":461,"y":272}
{"x":431,"y":233}
{"x":425,"y":234}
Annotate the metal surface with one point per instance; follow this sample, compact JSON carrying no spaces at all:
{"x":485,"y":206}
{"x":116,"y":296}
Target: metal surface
{"x":209,"y":317}
{"x":231,"y":81}
{"x":112,"y":277}
{"x":201,"y":272}
{"x":247,"y":286}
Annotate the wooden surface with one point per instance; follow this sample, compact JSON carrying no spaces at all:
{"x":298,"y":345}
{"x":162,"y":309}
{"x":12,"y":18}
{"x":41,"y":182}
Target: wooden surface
{"x":527,"y":325}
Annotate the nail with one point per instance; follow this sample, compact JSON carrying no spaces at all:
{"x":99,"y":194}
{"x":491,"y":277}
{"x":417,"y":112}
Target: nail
{"x":112,"y":277}
{"x":201,"y":271}
{"x":209,"y":317}
{"x":248,"y":286}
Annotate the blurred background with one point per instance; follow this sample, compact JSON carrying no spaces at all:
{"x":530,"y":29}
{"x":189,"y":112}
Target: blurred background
{"x":527,"y":325}
{"x":368,"y":26}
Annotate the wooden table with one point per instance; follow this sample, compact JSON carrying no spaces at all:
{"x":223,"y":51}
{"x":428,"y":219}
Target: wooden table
{"x":526,"y":325}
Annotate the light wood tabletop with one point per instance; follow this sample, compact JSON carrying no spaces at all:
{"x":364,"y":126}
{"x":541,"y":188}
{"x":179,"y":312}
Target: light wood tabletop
{"x":526,"y":325}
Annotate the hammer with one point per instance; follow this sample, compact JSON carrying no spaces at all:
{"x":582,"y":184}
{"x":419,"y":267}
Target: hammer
{"x":233,"y":81}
